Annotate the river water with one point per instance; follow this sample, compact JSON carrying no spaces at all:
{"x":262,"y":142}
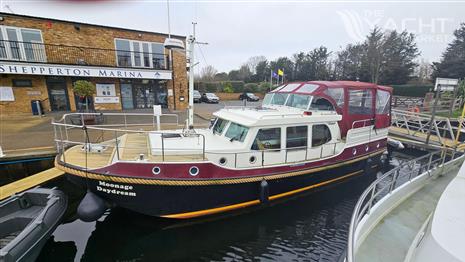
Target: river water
{"x":310,"y":227}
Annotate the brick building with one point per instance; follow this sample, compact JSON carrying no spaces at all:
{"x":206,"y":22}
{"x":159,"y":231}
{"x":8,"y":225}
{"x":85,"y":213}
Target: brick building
{"x":41,"y":58}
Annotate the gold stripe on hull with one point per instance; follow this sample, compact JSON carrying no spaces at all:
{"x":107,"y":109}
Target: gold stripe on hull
{"x":254,"y":202}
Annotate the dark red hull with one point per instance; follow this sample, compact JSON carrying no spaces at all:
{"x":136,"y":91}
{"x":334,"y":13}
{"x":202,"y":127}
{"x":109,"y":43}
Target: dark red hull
{"x":180,"y":198}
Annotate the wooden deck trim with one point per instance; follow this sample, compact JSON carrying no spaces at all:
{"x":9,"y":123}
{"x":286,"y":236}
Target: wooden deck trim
{"x":29,"y":182}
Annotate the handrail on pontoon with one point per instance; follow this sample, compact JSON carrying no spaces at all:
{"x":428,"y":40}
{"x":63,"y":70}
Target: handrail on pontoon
{"x":369,"y":197}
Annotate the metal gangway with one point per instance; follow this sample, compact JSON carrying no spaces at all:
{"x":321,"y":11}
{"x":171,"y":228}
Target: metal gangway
{"x":437,"y":131}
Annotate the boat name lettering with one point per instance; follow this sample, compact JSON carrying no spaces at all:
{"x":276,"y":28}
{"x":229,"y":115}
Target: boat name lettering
{"x":125,"y":187}
{"x":110,"y":188}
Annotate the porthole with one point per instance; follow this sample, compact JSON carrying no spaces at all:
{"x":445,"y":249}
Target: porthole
{"x":223,"y":161}
{"x":354,"y":151}
{"x":252,"y":160}
{"x":366,"y":148}
{"x":193,"y":171}
{"x":156,"y":170}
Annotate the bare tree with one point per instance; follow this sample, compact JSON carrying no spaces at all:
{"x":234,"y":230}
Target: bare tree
{"x":208,"y":73}
{"x":423,"y":71}
{"x":253,"y":62}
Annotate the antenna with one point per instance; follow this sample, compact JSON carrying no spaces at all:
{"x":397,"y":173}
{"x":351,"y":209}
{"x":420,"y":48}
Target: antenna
{"x":169,"y":23}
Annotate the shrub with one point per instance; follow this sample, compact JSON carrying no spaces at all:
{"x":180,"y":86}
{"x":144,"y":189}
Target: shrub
{"x":251,"y":87}
{"x":227,"y":88}
{"x":411,"y":90}
{"x":264,"y":87}
{"x":84,"y":88}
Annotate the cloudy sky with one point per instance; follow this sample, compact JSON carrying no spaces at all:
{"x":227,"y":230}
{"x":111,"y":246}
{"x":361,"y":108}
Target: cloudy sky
{"x":237,"y":30}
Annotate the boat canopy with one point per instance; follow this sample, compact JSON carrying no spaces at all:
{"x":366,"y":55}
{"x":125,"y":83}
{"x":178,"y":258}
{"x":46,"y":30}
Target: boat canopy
{"x":359,"y":103}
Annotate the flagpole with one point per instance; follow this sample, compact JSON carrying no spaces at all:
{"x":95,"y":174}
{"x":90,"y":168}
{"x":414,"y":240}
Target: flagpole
{"x":283,"y":76}
{"x":271,"y":79}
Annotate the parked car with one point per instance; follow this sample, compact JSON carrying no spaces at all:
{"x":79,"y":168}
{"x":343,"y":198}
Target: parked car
{"x":197,"y":97}
{"x":210,"y":98}
{"x":249,"y":97}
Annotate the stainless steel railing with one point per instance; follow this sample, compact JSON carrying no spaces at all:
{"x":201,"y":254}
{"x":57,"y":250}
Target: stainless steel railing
{"x":389,"y":181}
{"x":418,"y":124}
{"x":72,"y":129}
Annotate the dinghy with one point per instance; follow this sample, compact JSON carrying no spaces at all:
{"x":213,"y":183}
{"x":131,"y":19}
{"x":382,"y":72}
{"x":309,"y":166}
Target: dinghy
{"x":27,"y":220}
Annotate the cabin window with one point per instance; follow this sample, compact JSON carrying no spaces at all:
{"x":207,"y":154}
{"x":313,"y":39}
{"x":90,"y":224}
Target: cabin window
{"x":298,"y":101}
{"x":267,"y":138}
{"x":219,"y":126}
{"x":320,"y":135}
{"x":337,"y":94}
{"x":383,"y":105}
{"x":267,"y":99}
{"x":320,"y":103}
{"x":277,"y":88}
{"x":237,"y":132}
{"x":360,"y":102}
{"x":296,"y":136}
{"x":290,"y":87}
{"x":308,"y":88}
{"x":279,"y":99}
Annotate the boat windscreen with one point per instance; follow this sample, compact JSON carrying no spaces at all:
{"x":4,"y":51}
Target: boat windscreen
{"x":267,"y":99}
{"x":279,"y":99}
{"x":236,"y":132}
{"x":219,"y":126}
{"x":298,"y":101}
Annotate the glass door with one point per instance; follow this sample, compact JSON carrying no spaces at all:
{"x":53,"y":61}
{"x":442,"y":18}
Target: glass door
{"x":126,"y":96}
{"x":58,"y":94}
{"x":144,"y":96}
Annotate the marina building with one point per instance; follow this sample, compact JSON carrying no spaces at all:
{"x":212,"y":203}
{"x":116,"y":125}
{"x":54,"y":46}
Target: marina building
{"x":41,"y":59}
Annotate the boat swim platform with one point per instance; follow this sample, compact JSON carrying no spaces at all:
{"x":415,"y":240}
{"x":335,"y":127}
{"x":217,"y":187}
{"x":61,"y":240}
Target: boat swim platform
{"x":29,"y":182}
{"x":421,"y":137}
{"x":391,"y":239}
{"x":130,"y":148}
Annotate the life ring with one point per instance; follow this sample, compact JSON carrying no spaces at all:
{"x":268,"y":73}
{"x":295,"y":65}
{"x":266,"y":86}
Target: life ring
{"x":415,"y":109}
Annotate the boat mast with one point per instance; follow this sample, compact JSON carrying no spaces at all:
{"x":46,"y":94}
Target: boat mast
{"x":191,"y":42}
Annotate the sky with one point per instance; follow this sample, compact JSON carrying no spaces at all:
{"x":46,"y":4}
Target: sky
{"x":237,"y":30}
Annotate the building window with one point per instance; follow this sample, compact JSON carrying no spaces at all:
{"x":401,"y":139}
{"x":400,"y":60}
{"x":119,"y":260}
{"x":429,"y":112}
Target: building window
{"x":22,"y":83}
{"x":320,"y":135}
{"x":131,"y":53}
{"x":296,"y":136}
{"x":267,"y":138}
{"x":22,"y":44}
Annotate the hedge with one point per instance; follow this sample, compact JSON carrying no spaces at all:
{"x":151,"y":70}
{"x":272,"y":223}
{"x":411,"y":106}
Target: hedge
{"x":411,"y":90}
{"x":237,"y":86}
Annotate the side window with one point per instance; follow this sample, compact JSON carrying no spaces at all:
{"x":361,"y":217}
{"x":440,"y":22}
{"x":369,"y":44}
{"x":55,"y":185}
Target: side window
{"x":360,"y":102}
{"x":383,"y":105}
{"x":296,"y":136}
{"x":268,"y":138}
{"x":320,"y":135}
{"x":320,"y":103}
{"x":337,"y":94}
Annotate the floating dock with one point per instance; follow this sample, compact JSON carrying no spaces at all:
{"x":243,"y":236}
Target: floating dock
{"x":29,"y":182}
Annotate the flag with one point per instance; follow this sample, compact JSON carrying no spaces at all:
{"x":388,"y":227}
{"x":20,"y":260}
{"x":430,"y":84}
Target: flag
{"x":280,"y":72}
{"x":275,"y":75}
